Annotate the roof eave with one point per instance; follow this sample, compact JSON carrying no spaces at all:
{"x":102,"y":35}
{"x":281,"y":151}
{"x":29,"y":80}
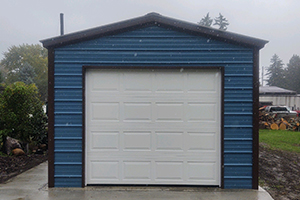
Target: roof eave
{"x":94,"y":32}
{"x":151,"y":19}
{"x":277,"y":94}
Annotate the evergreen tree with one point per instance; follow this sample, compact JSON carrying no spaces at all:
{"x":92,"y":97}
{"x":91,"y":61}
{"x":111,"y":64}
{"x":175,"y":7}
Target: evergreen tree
{"x":293,"y":74}
{"x":27,"y":74}
{"x":222,"y":22}
{"x":276,"y":73}
{"x":206,"y":21}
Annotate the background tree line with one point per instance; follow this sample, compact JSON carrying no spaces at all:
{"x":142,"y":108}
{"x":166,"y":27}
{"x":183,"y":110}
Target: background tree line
{"x":220,"y":21}
{"x":288,"y":76}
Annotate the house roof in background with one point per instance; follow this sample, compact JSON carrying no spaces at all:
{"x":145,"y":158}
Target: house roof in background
{"x":158,"y":20}
{"x":274,"y":90}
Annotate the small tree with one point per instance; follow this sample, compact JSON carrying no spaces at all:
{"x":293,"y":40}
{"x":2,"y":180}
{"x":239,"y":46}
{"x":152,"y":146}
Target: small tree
{"x":21,"y":113}
{"x":206,"y":21}
{"x":222,"y":22}
{"x":1,"y":77}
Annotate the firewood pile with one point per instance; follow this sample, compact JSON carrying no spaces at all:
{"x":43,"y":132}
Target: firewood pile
{"x":269,"y":121}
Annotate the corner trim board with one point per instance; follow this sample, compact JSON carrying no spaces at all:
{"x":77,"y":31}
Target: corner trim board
{"x":51,"y":118}
{"x":255,"y":133}
{"x":83,"y":128}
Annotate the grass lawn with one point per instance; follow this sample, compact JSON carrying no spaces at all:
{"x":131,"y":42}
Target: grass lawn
{"x":279,"y":139}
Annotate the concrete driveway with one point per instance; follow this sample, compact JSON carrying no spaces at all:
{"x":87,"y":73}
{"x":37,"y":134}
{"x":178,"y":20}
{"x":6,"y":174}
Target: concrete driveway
{"x":32,"y":185}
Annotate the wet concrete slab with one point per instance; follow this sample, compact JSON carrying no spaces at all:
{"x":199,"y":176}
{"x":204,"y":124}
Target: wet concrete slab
{"x":33,"y":185}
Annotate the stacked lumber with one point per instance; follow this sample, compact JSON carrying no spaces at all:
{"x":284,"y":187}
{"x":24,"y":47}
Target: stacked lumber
{"x":269,"y":121}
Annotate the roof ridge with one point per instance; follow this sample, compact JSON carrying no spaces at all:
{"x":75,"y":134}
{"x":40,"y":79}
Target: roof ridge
{"x":153,"y":14}
{"x":157,"y":19}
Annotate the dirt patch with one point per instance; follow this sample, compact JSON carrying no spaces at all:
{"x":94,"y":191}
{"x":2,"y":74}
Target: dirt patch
{"x":279,"y":173}
{"x":13,"y":165}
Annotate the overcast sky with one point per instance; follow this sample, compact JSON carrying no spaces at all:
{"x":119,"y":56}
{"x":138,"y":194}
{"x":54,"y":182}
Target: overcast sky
{"x":28,"y":21}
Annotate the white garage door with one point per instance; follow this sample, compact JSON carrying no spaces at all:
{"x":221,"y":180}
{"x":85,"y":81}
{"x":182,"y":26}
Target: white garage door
{"x":153,"y":126}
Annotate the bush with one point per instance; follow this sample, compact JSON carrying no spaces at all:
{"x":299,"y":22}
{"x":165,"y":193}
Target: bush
{"x":21,"y":114}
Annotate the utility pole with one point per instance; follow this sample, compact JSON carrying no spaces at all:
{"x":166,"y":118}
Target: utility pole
{"x":262,"y":75}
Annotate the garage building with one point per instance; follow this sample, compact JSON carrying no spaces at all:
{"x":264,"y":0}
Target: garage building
{"x":153,"y":101}
{"x":273,"y":95}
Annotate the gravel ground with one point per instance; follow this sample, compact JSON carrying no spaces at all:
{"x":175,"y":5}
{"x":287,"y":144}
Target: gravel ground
{"x":11,"y":166}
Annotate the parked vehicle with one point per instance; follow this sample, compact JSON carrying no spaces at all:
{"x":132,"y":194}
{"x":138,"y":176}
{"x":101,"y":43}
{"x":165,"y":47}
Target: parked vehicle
{"x":281,"y":111}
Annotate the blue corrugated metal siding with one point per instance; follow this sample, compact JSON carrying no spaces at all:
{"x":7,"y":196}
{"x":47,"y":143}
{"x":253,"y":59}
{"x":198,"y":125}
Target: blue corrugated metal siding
{"x":154,"y":46}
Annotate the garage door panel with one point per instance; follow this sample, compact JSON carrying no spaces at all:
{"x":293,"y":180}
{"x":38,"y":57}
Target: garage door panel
{"x":153,"y":127}
{"x":104,"y":81}
{"x":161,"y":126}
{"x":169,"y":111}
{"x":137,"y":141}
{"x":164,"y":83}
{"x":105,"y":111}
{"x":169,"y":171}
{"x":198,"y":111}
{"x":202,"y":82}
{"x":169,"y":141}
{"x":104,"y":140}
{"x":137,"y":170}
{"x":137,"y":82}
{"x":201,"y":171}
{"x":137,"y":111}
{"x":199,"y":141}
{"x":144,"y":111}
{"x":104,"y":170}
{"x":161,"y":172}
{"x":205,"y":156}
{"x":164,"y":140}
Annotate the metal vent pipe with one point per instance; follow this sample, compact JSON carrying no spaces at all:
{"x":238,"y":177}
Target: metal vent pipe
{"x":61,"y":23}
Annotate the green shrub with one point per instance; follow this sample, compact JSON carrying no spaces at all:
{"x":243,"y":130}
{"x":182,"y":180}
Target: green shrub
{"x":21,"y":114}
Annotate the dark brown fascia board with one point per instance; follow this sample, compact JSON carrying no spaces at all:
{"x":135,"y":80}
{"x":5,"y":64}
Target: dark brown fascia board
{"x":278,"y":94}
{"x":255,"y":120}
{"x":148,"y":20}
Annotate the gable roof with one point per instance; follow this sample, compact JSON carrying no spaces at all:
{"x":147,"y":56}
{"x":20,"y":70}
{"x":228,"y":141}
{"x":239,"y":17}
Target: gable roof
{"x":150,"y":20}
{"x":274,"y":90}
